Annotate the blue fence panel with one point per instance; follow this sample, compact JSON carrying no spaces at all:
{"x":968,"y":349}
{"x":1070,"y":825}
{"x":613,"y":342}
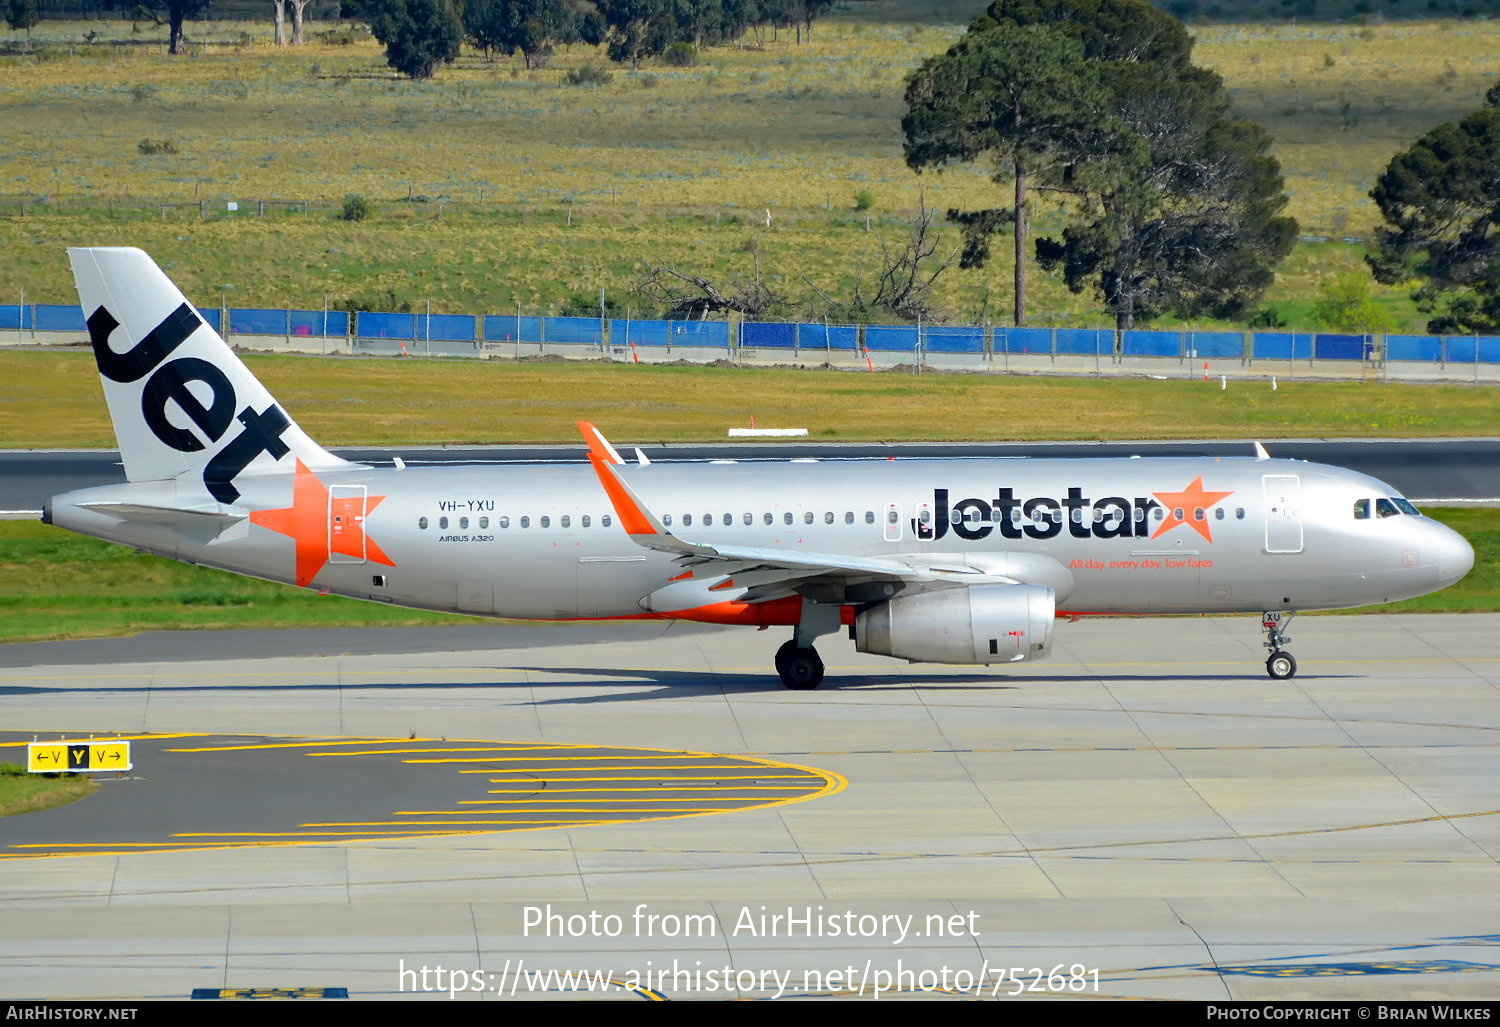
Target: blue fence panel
{"x":385,"y":326}
{"x":641,"y":333}
{"x":1468,"y":349}
{"x":1281,"y":346}
{"x":1489,"y":349}
{"x":59,"y":317}
{"x":1216,"y":345}
{"x":761,"y":335}
{"x":510,"y":328}
{"x":827,"y":337}
{"x":700,"y":333}
{"x":14,"y":316}
{"x":891,"y":339}
{"x":319,"y":322}
{"x":1085,"y":340}
{"x":257,"y":321}
{"x":214,"y":317}
{"x":953,"y":340}
{"x":1340,"y":347}
{"x":1153,"y":344}
{"x":574,"y":330}
{"x":447,"y":327}
{"x":1023,"y":340}
{"x":1426,"y":348}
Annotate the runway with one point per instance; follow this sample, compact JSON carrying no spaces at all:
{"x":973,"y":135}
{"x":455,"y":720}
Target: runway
{"x":1144,"y":815}
{"x":1463,"y":470}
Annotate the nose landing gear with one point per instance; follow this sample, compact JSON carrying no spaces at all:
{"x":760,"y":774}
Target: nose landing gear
{"x":1280,"y":664}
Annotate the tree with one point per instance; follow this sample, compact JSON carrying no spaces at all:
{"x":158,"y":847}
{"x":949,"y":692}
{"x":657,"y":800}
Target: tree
{"x":1022,"y":97}
{"x":1441,"y":203}
{"x":298,"y":8}
{"x":177,"y":11}
{"x":1191,"y":222}
{"x":531,"y":26}
{"x":278,"y":20}
{"x":418,"y":34}
{"x":1347,"y":304}
{"x":21,"y":14}
{"x":1173,"y":205}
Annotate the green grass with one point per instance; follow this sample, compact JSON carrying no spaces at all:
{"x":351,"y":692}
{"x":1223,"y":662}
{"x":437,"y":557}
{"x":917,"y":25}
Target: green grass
{"x":21,"y":792}
{"x":50,"y":399}
{"x":55,"y":585}
{"x":678,"y":172}
{"x":60,"y":585}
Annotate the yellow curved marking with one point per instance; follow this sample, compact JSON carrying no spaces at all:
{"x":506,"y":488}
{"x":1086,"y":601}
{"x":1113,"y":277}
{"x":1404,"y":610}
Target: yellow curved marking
{"x":823,"y":783}
{"x":687,"y":777}
{"x":402,"y":752}
{"x":583,"y":770}
{"x":464,"y":812}
{"x":302,"y":745}
{"x":572,"y":759}
{"x":111,"y":737}
{"x":686,"y":798}
{"x":683,"y":788}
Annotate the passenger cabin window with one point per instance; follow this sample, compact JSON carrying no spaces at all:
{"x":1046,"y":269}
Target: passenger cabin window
{"x":422,"y":523}
{"x":545,"y":522}
{"x":768,"y":518}
{"x":849,"y":517}
{"x":525,"y":522}
{"x":484,"y":523}
{"x":788,"y":517}
{"x":463,"y":523}
{"x":505,"y":522}
{"x":566,"y":521}
{"x":606,"y":520}
{"x":443,"y":523}
{"x":828,"y":517}
{"x":807,"y":518}
{"x":1361,"y":509}
{"x":687,"y":520}
{"x":869,"y":516}
{"x":749,"y":519}
{"x":585,"y":520}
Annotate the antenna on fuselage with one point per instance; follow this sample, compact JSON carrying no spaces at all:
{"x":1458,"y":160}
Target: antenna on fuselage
{"x":1260,"y":452}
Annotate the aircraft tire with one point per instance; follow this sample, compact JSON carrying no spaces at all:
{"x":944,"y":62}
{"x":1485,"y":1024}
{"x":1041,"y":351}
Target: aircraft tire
{"x":800,"y":669}
{"x":1281,"y":665}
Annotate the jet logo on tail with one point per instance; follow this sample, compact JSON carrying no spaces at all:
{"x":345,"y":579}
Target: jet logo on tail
{"x":172,"y":380}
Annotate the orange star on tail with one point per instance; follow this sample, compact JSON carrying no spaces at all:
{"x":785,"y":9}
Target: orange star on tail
{"x":318,"y":526}
{"x":1190,"y":499}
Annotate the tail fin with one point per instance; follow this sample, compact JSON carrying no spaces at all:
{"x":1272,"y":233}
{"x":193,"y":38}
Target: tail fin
{"x":183,"y":405}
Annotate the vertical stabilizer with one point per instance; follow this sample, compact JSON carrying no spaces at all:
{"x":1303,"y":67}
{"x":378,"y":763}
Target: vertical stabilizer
{"x":183,"y":405}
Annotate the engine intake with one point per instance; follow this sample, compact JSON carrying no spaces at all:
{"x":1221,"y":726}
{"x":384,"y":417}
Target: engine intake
{"x":969,"y":624}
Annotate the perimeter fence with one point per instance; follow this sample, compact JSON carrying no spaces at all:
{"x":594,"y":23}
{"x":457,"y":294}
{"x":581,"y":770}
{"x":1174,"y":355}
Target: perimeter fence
{"x":962,"y":347}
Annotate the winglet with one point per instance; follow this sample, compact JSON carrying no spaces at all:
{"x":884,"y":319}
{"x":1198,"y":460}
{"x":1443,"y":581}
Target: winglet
{"x":639,"y":523}
{"x":599,"y":447}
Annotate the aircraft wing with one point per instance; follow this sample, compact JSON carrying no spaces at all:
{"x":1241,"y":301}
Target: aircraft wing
{"x":771,"y":566}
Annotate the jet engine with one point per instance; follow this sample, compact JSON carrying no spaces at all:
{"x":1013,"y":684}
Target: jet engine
{"x":965,"y":624}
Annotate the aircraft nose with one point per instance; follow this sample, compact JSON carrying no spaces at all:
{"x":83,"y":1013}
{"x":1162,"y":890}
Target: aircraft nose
{"x":1455,"y":557}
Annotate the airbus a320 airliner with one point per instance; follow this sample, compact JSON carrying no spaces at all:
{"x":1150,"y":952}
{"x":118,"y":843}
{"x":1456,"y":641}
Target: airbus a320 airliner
{"x":938,"y":561}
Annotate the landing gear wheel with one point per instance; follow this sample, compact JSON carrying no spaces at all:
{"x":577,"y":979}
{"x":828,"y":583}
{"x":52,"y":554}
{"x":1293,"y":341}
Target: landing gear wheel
{"x":800,"y":667}
{"x":1281,"y":666}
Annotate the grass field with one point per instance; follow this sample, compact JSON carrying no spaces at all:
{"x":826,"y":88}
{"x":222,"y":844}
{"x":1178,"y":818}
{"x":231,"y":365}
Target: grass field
{"x":54,"y":584}
{"x":664,"y":165}
{"x":30,"y":793}
{"x":51,"y":399}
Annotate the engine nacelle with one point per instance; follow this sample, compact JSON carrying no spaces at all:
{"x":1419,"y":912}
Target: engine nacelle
{"x":967,"y":624}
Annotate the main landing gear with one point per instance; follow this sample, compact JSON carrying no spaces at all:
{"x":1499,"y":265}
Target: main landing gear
{"x":1280,"y":664}
{"x":797,"y":662}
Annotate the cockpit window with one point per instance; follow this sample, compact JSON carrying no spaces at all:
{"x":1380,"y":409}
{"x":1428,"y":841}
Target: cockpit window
{"x":1361,"y":509}
{"x":1385,"y":508}
{"x":1404,"y":505}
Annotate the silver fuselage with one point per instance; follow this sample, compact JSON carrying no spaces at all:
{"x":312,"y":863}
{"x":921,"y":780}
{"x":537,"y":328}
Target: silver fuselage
{"x":541,"y":541}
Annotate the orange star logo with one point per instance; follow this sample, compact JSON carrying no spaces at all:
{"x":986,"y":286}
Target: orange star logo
{"x":321,"y":525}
{"x":1190,"y":507}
